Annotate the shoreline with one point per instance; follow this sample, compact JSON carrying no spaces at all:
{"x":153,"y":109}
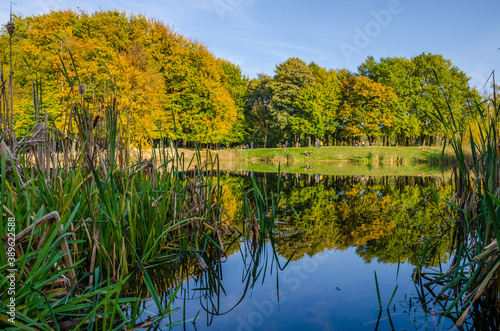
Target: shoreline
{"x":345,"y":154}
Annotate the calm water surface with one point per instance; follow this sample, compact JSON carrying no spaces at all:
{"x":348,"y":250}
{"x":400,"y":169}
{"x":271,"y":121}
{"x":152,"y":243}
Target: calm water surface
{"x":318,"y":271}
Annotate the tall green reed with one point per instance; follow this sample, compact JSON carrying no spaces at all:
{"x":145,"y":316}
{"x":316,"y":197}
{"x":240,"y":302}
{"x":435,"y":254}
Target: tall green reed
{"x":471,"y":283}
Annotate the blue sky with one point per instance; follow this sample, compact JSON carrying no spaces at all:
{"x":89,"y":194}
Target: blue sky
{"x":258,"y":34}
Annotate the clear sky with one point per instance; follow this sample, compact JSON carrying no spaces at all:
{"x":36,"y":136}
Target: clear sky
{"x":258,"y":34}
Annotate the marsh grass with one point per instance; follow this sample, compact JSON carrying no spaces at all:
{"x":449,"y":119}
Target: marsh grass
{"x":472,"y":282}
{"x":282,"y":156}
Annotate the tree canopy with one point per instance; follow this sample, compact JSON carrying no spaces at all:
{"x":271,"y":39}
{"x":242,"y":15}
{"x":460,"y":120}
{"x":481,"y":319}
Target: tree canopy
{"x":168,"y":85}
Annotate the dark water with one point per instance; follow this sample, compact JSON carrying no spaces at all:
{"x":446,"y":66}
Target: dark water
{"x":318,"y":271}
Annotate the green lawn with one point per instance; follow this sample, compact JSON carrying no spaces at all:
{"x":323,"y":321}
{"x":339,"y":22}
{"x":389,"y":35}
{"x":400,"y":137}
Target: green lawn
{"x":377,"y":154}
{"x":338,"y":160}
{"x":337,"y":169}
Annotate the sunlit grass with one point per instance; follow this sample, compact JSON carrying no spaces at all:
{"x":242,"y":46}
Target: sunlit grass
{"x":375,"y":155}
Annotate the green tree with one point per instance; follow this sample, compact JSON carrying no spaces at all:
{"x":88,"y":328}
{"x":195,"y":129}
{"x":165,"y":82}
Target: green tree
{"x":444,"y":85}
{"x":290,"y":78}
{"x":316,"y":106}
{"x":237,"y":85}
{"x":422,"y":83}
{"x":259,"y":108}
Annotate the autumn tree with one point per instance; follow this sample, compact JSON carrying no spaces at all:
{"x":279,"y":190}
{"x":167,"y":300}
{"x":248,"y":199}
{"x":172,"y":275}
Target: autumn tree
{"x":166,"y":84}
{"x":399,"y":74}
{"x":367,"y":108}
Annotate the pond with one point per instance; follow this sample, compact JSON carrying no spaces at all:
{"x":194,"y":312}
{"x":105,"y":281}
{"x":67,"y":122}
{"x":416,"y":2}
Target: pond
{"x":349,"y":246}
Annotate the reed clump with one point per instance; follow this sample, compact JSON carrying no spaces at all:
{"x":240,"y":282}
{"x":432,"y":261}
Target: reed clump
{"x":382,"y":159}
{"x":472,"y":282}
{"x":283,"y":156}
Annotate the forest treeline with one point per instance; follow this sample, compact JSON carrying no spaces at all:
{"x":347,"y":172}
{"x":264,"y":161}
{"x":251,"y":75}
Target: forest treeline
{"x":168,"y":85}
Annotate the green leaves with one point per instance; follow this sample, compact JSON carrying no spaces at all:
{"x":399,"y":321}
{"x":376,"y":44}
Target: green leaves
{"x":316,"y":106}
{"x":414,"y":82}
{"x":290,"y":78}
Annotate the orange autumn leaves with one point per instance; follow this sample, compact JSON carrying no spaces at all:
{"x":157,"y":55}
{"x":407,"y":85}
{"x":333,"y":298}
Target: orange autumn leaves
{"x":166,"y":85}
{"x":367,"y":107}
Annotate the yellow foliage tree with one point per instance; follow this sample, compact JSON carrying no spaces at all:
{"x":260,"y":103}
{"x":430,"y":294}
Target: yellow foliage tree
{"x":166,"y":84}
{"x":367,"y":107}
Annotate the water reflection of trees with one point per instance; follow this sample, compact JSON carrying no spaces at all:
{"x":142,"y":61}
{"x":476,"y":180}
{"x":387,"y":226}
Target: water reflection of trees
{"x":386,"y":218}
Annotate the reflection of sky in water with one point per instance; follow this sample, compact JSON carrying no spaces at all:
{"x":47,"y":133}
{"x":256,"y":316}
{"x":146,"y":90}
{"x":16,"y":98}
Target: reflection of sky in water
{"x":331,"y":290}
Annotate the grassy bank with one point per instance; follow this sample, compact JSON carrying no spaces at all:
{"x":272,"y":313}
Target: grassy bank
{"x":336,"y":168}
{"x":374,"y":155}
